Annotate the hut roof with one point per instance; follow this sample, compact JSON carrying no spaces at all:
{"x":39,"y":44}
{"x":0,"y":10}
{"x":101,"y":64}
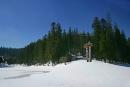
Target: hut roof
{"x":89,"y":44}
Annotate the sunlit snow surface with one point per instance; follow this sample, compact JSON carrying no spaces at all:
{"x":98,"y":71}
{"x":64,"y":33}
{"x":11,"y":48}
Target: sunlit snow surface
{"x":75,"y":74}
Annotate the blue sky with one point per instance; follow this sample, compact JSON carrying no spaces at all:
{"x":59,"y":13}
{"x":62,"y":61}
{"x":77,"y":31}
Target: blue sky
{"x":24,"y":21}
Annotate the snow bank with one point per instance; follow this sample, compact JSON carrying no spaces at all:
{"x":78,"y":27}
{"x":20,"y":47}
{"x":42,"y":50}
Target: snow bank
{"x":76,"y":74}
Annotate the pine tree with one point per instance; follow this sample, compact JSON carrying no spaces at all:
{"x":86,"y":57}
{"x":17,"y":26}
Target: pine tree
{"x":109,"y":44}
{"x":96,"y":36}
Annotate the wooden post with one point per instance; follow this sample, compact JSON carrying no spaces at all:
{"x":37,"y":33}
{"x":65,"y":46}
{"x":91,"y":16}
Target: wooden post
{"x":89,"y":53}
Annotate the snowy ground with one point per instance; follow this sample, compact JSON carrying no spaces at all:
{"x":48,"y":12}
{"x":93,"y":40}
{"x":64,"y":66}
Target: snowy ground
{"x":75,"y":74}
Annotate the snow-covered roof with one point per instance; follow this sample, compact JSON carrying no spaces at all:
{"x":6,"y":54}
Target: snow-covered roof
{"x":89,"y":44}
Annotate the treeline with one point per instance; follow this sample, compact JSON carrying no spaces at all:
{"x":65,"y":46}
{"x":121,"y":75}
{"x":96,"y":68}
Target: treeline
{"x":11,"y":55}
{"x":110,"y":43}
{"x":55,"y":47}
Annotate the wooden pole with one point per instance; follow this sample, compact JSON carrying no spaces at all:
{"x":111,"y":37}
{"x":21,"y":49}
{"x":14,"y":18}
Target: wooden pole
{"x":89,"y":53}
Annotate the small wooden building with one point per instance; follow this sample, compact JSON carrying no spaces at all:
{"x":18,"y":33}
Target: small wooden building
{"x":88,"y":46}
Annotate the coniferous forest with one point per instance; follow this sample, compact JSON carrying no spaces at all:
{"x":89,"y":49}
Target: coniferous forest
{"x":109,"y":45}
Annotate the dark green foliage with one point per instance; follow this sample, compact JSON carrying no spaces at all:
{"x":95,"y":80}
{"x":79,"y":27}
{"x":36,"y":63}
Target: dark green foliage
{"x":56,"y":47}
{"x":109,"y":45}
{"x":11,"y":55}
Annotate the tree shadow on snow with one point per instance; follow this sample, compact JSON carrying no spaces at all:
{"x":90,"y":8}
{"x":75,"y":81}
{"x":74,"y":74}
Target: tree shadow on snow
{"x":125,"y":65}
{"x":27,"y":74}
{"x":7,"y":66}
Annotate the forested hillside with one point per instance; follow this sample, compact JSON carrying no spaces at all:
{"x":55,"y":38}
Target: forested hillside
{"x":11,"y":55}
{"x":109,"y":45}
{"x":57,"y":46}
